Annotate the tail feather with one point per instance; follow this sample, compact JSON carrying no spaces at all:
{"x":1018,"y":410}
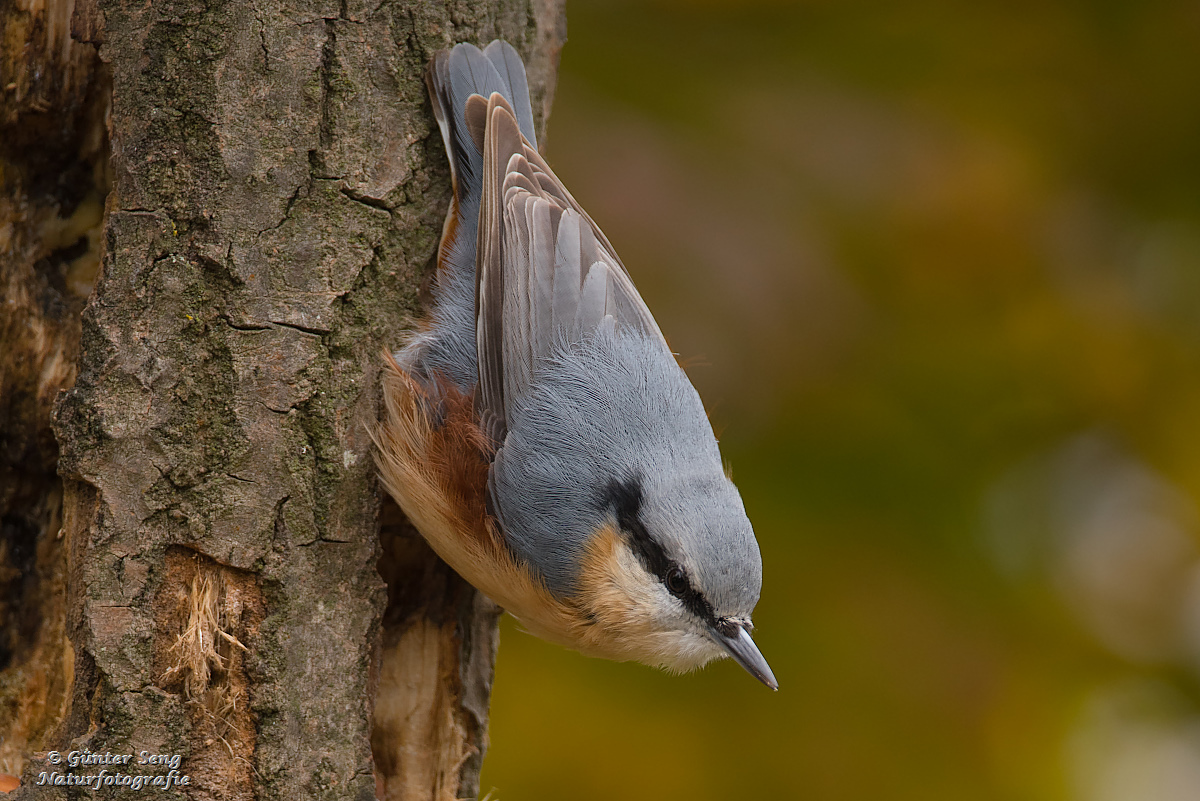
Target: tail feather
{"x":512,"y":70}
{"x":453,"y":77}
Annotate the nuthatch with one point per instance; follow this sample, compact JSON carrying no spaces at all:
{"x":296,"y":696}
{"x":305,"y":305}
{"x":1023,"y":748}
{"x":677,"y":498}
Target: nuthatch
{"x":538,"y":431}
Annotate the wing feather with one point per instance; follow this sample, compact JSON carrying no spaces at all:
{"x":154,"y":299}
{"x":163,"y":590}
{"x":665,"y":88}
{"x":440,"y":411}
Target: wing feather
{"x":489,"y":287}
{"x":568,"y":277}
{"x":593,"y":297}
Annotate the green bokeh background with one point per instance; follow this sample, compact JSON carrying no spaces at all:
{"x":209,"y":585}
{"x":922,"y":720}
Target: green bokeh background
{"x":935,"y":267}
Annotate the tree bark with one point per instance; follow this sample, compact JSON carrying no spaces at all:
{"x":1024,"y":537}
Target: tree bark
{"x":215,"y":575}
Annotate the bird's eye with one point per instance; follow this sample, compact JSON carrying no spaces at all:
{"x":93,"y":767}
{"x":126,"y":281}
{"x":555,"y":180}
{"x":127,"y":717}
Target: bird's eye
{"x":676,"y":581}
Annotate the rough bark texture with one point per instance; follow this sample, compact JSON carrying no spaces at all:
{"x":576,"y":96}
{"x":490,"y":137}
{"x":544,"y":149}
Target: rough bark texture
{"x":277,"y":193}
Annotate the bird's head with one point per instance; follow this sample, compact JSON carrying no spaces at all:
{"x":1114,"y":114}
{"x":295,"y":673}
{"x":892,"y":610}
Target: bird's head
{"x":673,"y":572}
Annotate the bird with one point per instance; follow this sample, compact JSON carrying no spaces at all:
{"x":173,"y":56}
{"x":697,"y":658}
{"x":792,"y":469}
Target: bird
{"x":537,"y":429}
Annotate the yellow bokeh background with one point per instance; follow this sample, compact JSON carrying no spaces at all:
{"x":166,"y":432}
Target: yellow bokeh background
{"x":935,"y":269}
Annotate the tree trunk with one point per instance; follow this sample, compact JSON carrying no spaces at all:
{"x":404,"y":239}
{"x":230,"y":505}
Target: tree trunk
{"x":195,"y":560}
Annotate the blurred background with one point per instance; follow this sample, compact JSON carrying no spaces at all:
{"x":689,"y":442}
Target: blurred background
{"x":935,"y":269}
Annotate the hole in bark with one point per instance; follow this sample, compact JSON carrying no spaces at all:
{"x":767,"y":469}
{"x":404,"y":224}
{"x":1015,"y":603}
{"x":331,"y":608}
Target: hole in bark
{"x":427,"y":733}
{"x":18,"y":550}
{"x":206,"y":614}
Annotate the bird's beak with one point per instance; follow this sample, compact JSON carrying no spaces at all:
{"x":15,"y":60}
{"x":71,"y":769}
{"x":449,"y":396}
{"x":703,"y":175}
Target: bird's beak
{"x":745,"y":652}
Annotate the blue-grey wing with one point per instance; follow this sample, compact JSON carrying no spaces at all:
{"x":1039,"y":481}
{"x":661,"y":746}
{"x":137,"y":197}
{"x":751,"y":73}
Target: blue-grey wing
{"x":547,"y":275}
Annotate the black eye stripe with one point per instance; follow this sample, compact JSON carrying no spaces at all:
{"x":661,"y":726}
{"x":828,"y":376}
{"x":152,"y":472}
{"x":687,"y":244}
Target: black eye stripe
{"x":625,"y":499}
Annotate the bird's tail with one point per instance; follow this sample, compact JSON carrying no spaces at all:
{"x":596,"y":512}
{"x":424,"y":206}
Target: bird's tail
{"x":455,"y":75}
{"x":447,"y":348}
